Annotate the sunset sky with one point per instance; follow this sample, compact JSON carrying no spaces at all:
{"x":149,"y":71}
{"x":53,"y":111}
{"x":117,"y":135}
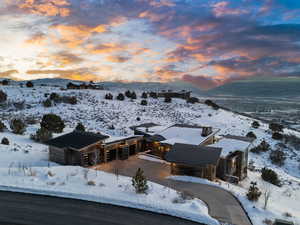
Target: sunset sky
{"x":207,"y":43}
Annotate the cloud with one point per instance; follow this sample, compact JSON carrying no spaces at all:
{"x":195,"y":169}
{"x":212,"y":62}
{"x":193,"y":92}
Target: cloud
{"x":8,"y":73}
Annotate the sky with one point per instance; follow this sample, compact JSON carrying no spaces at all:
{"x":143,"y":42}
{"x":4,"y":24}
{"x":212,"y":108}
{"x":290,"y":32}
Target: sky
{"x":206,"y":43}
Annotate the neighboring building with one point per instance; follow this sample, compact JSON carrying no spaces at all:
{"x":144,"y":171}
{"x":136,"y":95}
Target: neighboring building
{"x":84,"y":86}
{"x":194,"y":160}
{"x":175,"y":94}
{"x":88,"y":149}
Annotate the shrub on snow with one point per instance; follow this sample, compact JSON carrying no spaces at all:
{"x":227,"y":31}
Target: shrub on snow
{"x":253,"y":193}
{"x":5,"y":141}
{"x":262,"y":147}
{"x":275,"y":127}
{"x":251,"y":135}
{"x":17,"y":126}
{"x":277,"y":157}
{"x":270,"y":176}
{"x":255,"y":124}
{"x":139,"y":182}
{"x":42,"y":135}
{"x":3,"y":96}
{"x":144,"y":102}
{"x":53,"y":123}
{"x":47,"y":103}
{"x":80,"y":127}
{"x":2,"y":126}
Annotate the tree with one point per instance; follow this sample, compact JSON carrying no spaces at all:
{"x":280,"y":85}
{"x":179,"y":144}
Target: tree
{"x":109,"y":96}
{"x":3,"y":96}
{"x":47,"y":103}
{"x":212,"y":104}
{"x":192,"y":100}
{"x":275,"y":127}
{"x":53,"y":123}
{"x":42,"y":135}
{"x":54,"y":97}
{"x":144,"y":95}
{"x":277,"y":157}
{"x":5,"y":82}
{"x":2,"y":126}
{"x":80,"y":127}
{"x":270,"y":176}
{"x":29,"y":84}
{"x":144,"y":102}
{"x":251,"y":135}
{"x":253,"y":193}
{"x":5,"y":141}
{"x":255,"y":124}
{"x":128,"y":94}
{"x":153,"y":94}
{"x":133,"y":95}
{"x":277,"y":136}
{"x":17,"y":126}
{"x":120,"y":97}
{"x":168,"y":99}
{"x":139,"y":182}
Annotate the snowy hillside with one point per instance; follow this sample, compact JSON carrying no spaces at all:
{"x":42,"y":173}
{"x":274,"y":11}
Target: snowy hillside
{"x":114,"y":117}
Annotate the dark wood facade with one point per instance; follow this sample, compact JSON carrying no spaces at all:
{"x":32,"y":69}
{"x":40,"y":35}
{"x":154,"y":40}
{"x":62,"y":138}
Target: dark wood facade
{"x":96,"y":153}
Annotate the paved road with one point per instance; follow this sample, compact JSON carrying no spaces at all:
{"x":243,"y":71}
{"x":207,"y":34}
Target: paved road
{"x":222,"y":205}
{"x":27,"y":209}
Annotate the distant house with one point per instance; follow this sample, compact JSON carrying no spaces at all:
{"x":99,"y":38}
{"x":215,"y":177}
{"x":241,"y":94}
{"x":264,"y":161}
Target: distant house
{"x":174,"y":94}
{"x":82,"y":86}
{"x":283,"y":222}
{"x":88,"y":149}
{"x":194,"y":160}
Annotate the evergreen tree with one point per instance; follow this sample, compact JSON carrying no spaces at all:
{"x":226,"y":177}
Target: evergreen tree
{"x":255,"y":124}
{"x":168,"y":99}
{"x":139,"y":182}
{"x":42,"y":135}
{"x":144,"y":95}
{"x":121,"y":97}
{"x":17,"y":126}
{"x":3,"y":96}
{"x":29,"y":84}
{"x":144,"y":102}
{"x":2,"y":126}
{"x":5,"y":141}
{"x":253,"y":193}
{"x":80,"y":127}
{"x":47,"y":103}
{"x":53,"y":123}
{"x":133,"y":95}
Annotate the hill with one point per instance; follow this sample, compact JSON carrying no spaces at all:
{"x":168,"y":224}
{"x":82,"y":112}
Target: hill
{"x":260,"y":87}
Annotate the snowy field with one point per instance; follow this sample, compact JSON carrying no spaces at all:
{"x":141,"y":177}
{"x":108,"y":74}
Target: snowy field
{"x":25,"y":163}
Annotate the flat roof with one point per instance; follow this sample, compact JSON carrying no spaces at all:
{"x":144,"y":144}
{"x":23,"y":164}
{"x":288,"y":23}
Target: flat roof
{"x":76,"y":140}
{"x":230,"y":145}
{"x":185,"y":134}
{"x":193,"y":155}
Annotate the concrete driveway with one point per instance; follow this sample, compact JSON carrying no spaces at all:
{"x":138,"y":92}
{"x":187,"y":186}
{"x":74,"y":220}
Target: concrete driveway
{"x":222,"y":205}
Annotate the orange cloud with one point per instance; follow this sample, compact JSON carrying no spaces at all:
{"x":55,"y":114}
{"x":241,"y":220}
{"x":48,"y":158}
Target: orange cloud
{"x":45,"y":7}
{"x":8,"y":73}
{"x":117,"y":59}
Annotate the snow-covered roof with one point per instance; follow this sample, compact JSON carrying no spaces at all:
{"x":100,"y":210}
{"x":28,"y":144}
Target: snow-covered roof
{"x":112,"y":139}
{"x":184,"y":135}
{"x":230,"y":145}
{"x":152,"y":130}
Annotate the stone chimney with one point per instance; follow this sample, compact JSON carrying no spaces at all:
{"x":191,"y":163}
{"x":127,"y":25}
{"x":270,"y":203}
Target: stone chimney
{"x":206,"y":131}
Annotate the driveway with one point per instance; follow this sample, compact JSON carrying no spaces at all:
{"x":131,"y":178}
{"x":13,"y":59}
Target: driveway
{"x":222,"y":205}
{"x":28,"y":209}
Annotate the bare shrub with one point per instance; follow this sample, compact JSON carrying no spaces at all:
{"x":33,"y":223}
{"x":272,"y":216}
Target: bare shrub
{"x":91,"y":183}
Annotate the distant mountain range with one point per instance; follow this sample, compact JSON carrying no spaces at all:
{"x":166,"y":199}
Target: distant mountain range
{"x":261,"y":87}
{"x":254,"y":87}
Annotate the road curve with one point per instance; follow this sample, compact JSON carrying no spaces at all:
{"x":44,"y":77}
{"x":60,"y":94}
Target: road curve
{"x":28,"y":209}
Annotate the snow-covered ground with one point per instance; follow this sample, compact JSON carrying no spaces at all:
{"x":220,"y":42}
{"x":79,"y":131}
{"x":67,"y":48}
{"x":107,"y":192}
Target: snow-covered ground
{"x":98,"y":114}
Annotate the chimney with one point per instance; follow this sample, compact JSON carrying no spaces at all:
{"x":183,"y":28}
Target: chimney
{"x":206,"y":131}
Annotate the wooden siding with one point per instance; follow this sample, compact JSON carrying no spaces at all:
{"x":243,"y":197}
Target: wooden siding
{"x":57,"y":155}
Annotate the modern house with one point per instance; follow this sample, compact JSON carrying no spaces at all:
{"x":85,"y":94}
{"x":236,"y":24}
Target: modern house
{"x":190,"y":149}
{"x":197,"y":150}
{"x":88,"y":149}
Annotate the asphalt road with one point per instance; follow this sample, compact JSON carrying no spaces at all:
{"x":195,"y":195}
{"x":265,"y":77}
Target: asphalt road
{"x":27,"y":209}
{"x":222,"y":205}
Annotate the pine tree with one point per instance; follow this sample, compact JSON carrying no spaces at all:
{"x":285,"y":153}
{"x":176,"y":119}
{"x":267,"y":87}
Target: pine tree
{"x":139,"y":182}
{"x":253,"y":193}
{"x":80,"y":127}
